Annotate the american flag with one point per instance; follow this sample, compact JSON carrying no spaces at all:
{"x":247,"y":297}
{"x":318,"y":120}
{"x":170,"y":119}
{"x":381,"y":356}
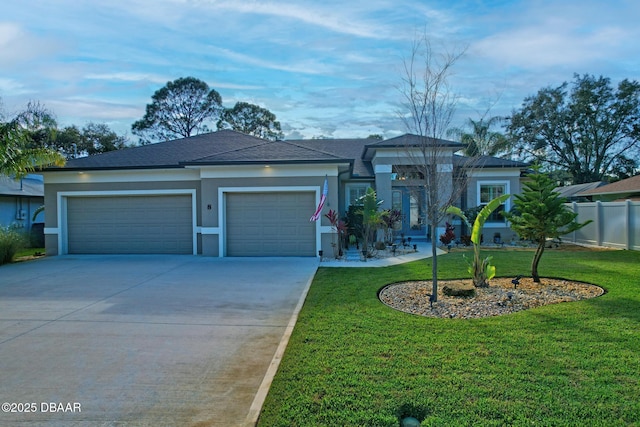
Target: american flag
{"x":323,"y":199}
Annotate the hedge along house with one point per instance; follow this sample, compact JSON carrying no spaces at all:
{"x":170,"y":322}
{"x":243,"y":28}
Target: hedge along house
{"x":229,"y":194}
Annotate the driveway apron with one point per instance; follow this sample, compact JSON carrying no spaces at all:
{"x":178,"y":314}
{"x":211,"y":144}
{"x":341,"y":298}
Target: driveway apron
{"x":141,"y":340}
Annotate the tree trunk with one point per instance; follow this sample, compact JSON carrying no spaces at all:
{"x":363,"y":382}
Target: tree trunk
{"x":536,"y":260}
{"x":434,"y":264}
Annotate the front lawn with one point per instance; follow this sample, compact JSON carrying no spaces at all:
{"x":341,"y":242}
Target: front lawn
{"x":353,"y":361}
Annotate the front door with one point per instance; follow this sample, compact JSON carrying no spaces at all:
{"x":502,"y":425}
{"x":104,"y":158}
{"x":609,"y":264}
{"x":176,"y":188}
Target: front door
{"x":410,"y":202}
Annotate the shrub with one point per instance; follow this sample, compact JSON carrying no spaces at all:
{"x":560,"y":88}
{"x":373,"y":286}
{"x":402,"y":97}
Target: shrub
{"x":449,"y":234}
{"x":12,"y":239}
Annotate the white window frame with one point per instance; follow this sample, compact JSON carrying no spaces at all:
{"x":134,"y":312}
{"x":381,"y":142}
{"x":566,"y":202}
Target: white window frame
{"x":347,"y":190}
{"x":507,"y":203}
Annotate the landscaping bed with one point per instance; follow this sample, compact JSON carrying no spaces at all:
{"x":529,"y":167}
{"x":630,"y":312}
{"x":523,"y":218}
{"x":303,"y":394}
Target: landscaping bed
{"x":501,"y":297}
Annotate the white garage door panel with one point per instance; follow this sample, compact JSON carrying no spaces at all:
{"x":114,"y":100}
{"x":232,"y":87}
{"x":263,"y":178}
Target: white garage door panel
{"x":130,"y":225}
{"x":270,"y":224}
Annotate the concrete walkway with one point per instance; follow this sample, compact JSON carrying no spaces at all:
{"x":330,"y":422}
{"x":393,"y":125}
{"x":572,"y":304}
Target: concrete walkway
{"x":144,"y":340}
{"x":424,"y":251}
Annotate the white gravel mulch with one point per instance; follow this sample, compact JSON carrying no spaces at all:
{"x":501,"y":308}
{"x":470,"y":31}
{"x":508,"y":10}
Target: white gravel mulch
{"x":499,"y":298}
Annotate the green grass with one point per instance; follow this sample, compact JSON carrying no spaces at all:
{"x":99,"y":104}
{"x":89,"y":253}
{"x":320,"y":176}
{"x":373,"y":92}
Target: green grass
{"x":29,"y":252}
{"x":353,"y":361}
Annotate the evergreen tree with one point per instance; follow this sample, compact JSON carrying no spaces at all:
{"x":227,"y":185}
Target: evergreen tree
{"x":540,"y":213}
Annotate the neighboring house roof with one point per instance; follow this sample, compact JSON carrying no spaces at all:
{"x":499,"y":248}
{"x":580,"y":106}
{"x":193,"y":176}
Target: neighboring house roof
{"x":573,"y":191}
{"x":627,"y":186}
{"x":29,"y":186}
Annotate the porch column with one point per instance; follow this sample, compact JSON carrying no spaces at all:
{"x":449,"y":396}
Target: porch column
{"x":383,"y":185}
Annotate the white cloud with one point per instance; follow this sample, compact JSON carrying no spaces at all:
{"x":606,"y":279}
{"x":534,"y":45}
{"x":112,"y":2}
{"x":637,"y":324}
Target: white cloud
{"x":336,"y":18}
{"x":548,"y":34}
{"x":549,"y":46}
{"x":93,"y":109}
{"x":13,"y":87}
{"x":127,"y":77}
{"x":17,"y":45}
{"x":306,"y":66}
{"x":318,"y":65}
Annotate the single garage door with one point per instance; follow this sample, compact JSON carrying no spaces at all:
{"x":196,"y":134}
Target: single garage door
{"x":270,"y":224}
{"x":130,"y":225}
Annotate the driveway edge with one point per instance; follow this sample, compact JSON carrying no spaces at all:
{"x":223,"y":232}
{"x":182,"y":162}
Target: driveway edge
{"x":263,"y":390}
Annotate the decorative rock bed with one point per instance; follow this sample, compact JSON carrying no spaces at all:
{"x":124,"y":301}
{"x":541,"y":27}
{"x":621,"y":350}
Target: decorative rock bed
{"x":499,"y":298}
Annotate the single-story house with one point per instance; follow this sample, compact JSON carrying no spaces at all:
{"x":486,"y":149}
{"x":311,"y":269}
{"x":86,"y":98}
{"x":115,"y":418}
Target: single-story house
{"x":625,"y":189}
{"x":230,"y":194}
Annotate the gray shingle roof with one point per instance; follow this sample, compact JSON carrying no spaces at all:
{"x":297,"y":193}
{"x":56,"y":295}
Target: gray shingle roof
{"x":275,"y":151}
{"x":571,"y":191}
{"x":170,"y":153}
{"x":343,"y":148}
{"x":229,"y":147}
{"x":410,"y":140}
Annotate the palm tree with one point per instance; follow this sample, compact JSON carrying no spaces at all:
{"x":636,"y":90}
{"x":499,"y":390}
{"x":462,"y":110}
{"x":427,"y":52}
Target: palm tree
{"x":17,"y":158}
{"x":481,"y":140}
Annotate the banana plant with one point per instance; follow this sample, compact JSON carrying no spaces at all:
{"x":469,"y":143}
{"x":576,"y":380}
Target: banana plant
{"x":481,"y":269}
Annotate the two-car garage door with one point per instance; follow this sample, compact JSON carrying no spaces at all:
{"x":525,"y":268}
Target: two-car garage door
{"x":136,"y":224}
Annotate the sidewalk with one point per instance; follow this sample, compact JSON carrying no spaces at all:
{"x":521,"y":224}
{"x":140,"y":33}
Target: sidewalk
{"x":424,"y":251}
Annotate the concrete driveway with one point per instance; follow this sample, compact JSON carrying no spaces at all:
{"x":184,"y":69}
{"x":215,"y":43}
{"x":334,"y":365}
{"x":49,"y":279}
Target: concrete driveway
{"x":143,"y":340}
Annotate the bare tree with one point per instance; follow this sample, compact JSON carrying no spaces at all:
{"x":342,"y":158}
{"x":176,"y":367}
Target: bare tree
{"x":428,"y":107}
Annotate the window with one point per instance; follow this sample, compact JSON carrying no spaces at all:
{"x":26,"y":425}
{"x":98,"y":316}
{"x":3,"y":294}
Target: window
{"x":396,"y":200}
{"x":404,"y":173}
{"x":355,"y":192}
{"x":488,"y":191}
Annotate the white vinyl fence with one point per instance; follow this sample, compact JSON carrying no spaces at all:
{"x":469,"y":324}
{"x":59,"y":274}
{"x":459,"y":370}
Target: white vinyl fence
{"x":615,"y":224}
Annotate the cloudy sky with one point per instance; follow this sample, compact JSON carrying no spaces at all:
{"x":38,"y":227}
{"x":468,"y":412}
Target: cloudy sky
{"x":329,"y":68}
